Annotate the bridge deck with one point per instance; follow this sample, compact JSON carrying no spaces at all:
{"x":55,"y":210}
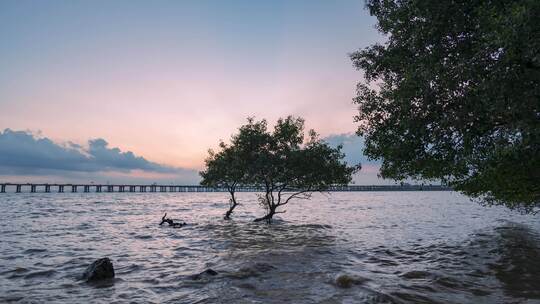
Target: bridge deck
{"x":132,"y":188}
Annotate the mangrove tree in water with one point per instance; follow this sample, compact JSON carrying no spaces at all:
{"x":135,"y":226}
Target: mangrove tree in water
{"x":284,"y":164}
{"x":454,"y":94}
{"x":224,"y":169}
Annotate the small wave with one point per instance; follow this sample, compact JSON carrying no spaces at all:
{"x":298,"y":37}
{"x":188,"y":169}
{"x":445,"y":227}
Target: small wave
{"x":129,"y":269}
{"x":83,"y":226}
{"x":68,"y":285}
{"x":34,"y":250}
{"x":39,"y":274}
{"x":253,"y":270}
{"x":382,"y":262}
{"x":11,"y":299}
{"x":316,"y":226}
{"x":182,"y":248}
{"x":414,"y":298}
{"x":449,"y":282}
{"x":416,"y":274}
{"x":144,"y":237}
{"x":15,"y":273}
{"x":152,"y":281}
{"x":16,"y":270}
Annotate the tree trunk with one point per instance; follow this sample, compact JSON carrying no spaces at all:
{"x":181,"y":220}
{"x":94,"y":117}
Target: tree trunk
{"x":268,"y":217}
{"x":229,"y":212}
{"x":233,"y":205}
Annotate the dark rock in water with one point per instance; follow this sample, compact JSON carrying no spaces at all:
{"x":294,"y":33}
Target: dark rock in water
{"x":347,"y":281}
{"x":100,"y":269}
{"x":207,"y":272}
{"x":210,"y":271}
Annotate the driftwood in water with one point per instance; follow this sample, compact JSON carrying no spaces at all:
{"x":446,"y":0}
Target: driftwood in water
{"x":171,"y":222}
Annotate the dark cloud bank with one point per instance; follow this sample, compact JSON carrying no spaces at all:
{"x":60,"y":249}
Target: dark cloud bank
{"x":26,"y":157}
{"x":22,"y":153}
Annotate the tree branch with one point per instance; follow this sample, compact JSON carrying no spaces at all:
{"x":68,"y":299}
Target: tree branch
{"x":279,"y":193}
{"x":297,"y":195}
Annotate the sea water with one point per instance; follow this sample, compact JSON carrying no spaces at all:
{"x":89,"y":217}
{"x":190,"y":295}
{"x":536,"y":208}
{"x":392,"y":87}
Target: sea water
{"x":404,"y":247}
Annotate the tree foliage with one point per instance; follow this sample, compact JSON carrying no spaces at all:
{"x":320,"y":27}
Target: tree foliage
{"x":454,"y":94}
{"x":224,"y":169}
{"x":283,"y":163}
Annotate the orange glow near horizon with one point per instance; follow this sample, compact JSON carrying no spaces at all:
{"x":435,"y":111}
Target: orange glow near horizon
{"x":168,"y":81}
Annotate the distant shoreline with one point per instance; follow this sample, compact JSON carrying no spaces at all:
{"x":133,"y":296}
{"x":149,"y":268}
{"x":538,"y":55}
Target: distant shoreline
{"x":156,"y":188}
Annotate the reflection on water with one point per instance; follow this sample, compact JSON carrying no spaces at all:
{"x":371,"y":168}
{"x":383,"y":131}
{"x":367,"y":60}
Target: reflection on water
{"x":415,"y":247}
{"x":518,"y":266}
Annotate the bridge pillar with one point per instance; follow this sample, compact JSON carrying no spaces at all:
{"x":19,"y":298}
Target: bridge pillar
{"x":172,"y":189}
{"x":73,"y":188}
{"x":18,"y":189}
{"x":142,"y":188}
{"x":47,"y":188}
{"x":162,"y":189}
{"x":120,"y":188}
{"x":32,"y":188}
{"x":98,"y":188}
{"x":110,"y":188}
{"x":60,"y":188}
{"x":3,"y":189}
{"x":153,"y":188}
{"x":86,"y":188}
{"x":131,"y":188}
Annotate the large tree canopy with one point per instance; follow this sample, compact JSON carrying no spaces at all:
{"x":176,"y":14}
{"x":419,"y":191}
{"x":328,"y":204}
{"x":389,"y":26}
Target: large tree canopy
{"x":454,"y":94}
{"x":290,"y":165}
{"x":284,"y":163}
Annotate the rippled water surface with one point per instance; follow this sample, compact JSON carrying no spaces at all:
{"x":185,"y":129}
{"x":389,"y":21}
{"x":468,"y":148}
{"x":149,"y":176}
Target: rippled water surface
{"x":405,"y":247}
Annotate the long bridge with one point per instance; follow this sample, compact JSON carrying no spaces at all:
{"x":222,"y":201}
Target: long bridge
{"x":155,"y":188}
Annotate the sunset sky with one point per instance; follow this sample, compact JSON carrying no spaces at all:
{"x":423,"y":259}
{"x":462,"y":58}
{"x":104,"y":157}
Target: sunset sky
{"x":139,"y":90}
